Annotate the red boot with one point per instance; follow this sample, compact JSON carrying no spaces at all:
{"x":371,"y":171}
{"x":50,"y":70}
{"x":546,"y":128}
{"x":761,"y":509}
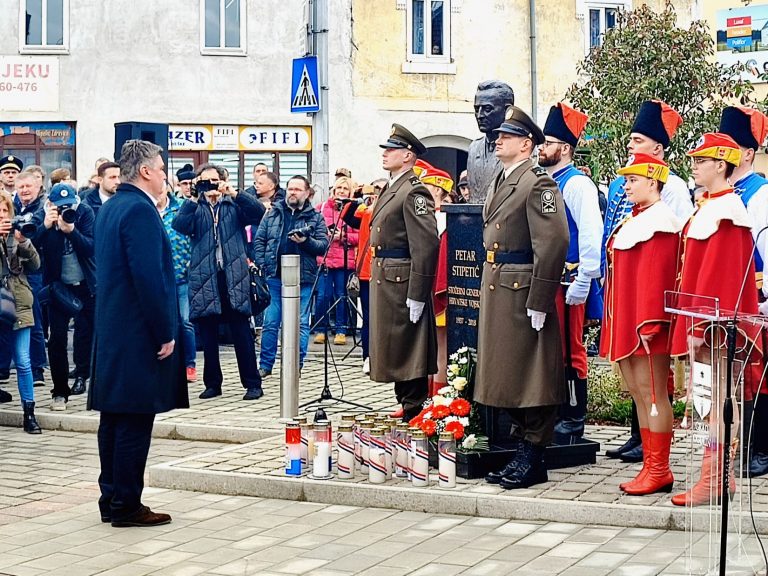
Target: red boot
{"x":643,"y":471}
{"x":709,"y":487}
{"x":398,"y":413}
{"x":658,"y":477}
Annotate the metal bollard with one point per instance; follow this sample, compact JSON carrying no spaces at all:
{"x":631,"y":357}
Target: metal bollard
{"x":290,"y":294}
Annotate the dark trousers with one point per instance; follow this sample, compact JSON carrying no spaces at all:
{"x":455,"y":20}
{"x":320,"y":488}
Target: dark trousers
{"x":535,"y":424}
{"x":37,"y":338}
{"x":123,"y":448}
{"x":412,"y":395}
{"x":57,"y":341}
{"x":365,"y":300}
{"x":242,"y":338}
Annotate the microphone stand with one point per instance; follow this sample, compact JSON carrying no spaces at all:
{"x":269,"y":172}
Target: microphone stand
{"x":326,"y":394}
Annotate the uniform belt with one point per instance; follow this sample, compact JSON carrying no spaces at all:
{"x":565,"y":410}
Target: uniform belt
{"x":389,"y":253}
{"x":514,"y":257}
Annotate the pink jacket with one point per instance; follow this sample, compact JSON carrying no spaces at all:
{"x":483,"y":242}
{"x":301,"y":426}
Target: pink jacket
{"x":335,"y":257}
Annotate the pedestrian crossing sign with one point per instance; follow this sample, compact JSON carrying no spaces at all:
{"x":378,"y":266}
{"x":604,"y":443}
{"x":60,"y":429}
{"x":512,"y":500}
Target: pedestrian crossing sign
{"x":305,"y":93}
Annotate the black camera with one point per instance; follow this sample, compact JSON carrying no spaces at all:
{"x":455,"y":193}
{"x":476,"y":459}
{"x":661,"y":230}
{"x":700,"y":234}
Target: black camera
{"x":331,"y":229}
{"x":203,"y":186}
{"x":24,"y":224}
{"x":68,"y":214}
{"x":303,"y":232}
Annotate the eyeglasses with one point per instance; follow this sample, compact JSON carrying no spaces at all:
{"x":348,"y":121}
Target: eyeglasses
{"x":699,"y":160}
{"x":549,"y":142}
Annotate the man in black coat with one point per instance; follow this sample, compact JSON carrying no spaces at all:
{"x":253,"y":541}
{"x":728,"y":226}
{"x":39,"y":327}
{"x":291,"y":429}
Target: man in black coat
{"x":137,"y":371}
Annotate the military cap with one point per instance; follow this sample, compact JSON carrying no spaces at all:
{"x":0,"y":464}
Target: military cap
{"x":518,"y":123}
{"x":62,"y":195}
{"x":401,"y":137}
{"x":421,"y":166}
{"x":565,"y":123}
{"x":657,"y":120}
{"x":11,"y":162}
{"x":186,"y":172}
{"x":745,"y":125}
{"x":437,"y":177}
{"x":718,"y":146}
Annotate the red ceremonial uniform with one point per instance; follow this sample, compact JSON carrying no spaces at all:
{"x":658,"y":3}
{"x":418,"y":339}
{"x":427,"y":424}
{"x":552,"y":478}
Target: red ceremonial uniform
{"x":642,"y":255}
{"x":716,"y":255}
{"x":440,"y":289}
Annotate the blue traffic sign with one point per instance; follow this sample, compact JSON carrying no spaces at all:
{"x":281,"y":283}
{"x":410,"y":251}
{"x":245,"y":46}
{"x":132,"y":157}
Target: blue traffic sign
{"x":305,"y":89}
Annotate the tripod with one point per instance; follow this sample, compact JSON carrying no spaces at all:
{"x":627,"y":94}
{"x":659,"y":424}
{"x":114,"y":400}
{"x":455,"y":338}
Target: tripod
{"x":326,"y":394}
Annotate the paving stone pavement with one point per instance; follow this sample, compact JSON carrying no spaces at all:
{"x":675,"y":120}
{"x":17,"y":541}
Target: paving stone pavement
{"x":50,"y":525}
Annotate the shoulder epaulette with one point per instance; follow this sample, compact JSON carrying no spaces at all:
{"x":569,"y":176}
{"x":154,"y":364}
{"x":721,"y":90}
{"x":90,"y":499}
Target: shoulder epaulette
{"x":415,"y":181}
{"x":539,"y":171}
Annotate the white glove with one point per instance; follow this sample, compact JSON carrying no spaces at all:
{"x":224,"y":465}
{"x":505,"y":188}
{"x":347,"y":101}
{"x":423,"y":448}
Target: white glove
{"x":416,"y":308}
{"x":578,"y":291}
{"x":763,"y":308}
{"x":537,"y":319}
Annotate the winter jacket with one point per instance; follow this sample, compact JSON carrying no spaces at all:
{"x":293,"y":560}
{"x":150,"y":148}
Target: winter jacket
{"x":335,"y":258}
{"x":50,"y":244}
{"x":195,"y":219}
{"x":23,"y":259}
{"x":266,"y":244}
{"x":180,"y":244}
{"x":93,"y":199}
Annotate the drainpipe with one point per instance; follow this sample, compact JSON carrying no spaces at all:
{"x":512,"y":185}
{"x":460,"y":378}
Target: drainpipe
{"x":534,"y":82}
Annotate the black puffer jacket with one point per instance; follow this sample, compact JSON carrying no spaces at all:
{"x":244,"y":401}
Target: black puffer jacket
{"x":196,"y":221}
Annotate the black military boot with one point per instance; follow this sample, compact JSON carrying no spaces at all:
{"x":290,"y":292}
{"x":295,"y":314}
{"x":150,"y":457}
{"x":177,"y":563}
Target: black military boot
{"x":495,"y":477}
{"x":79,"y":387}
{"x":530,"y":468}
{"x":634,"y":441}
{"x":5,"y":397}
{"x":571,"y":418}
{"x":30,"y":422}
{"x":758,"y":462}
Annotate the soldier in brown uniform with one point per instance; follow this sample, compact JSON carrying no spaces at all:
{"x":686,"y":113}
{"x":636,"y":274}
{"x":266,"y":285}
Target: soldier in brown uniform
{"x":525,"y":233}
{"x":404,"y":246}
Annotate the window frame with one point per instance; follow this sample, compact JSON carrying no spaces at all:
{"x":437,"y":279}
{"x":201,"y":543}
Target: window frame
{"x":428,"y":63}
{"x":43,"y":48}
{"x":583,"y":8}
{"x":242,"y":50}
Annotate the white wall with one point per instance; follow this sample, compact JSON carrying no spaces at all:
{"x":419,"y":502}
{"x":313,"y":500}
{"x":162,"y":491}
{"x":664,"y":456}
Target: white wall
{"x":137,"y":60}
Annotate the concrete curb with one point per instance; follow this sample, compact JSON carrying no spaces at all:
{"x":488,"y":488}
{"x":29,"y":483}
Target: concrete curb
{"x":172,"y":431}
{"x":424,"y":500}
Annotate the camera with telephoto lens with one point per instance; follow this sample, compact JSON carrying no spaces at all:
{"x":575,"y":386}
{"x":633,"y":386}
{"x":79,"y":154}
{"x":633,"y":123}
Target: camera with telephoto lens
{"x":68,"y":214}
{"x":24,"y":224}
{"x":303,"y":232}
{"x":203,"y":186}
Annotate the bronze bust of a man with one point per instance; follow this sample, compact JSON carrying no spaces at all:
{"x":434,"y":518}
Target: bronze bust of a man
{"x":491,"y":101}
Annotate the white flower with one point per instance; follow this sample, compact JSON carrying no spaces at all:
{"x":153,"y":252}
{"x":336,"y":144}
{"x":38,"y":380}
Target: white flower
{"x":441,"y":401}
{"x":469,"y":442}
{"x":445,"y":390}
{"x":462,"y":350}
{"x":459,"y":383}
{"x":463,"y":360}
{"x":464,"y":421}
{"x":453,"y":357}
{"x":451,"y":418}
{"x":453,"y":368}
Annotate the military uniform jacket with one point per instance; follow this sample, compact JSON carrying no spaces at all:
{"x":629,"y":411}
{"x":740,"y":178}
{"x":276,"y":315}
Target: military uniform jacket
{"x":517,"y":366}
{"x":403,"y":219}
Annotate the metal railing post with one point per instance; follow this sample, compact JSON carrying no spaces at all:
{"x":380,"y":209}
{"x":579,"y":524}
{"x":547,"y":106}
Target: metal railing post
{"x":290,"y":294}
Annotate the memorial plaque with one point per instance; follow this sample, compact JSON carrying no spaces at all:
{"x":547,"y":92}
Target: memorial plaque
{"x":464,"y":225}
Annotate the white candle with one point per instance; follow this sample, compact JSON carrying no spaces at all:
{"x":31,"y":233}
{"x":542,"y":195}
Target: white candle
{"x":322,"y":457}
{"x":446,"y":469}
{"x":377,"y":473}
{"x":346,"y":460}
{"x":420,"y":464}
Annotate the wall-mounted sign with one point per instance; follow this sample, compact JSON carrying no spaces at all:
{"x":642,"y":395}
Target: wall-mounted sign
{"x":254,"y":138}
{"x":742,"y":36}
{"x":29,"y":83}
{"x":50,"y":133}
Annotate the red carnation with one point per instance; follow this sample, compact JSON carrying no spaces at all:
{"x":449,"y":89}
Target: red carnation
{"x":460,"y":407}
{"x":440,"y":412}
{"x":456,"y":428}
{"x":416,"y":421}
{"x":428,"y":427}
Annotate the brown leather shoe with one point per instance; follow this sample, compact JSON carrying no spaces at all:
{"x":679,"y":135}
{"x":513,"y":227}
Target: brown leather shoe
{"x":142,"y":517}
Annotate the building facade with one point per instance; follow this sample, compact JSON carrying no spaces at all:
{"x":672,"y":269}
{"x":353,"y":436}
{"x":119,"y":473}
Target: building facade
{"x":218,"y":72}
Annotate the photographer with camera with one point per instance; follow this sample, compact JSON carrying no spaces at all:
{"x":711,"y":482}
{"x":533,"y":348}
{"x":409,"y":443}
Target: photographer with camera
{"x":215,"y":217}
{"x":339,"y":262}
{"x":18,"y":257}
{"x":65,"y":242}
{"x":292,"y":226}
{"x":28,"y":217}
